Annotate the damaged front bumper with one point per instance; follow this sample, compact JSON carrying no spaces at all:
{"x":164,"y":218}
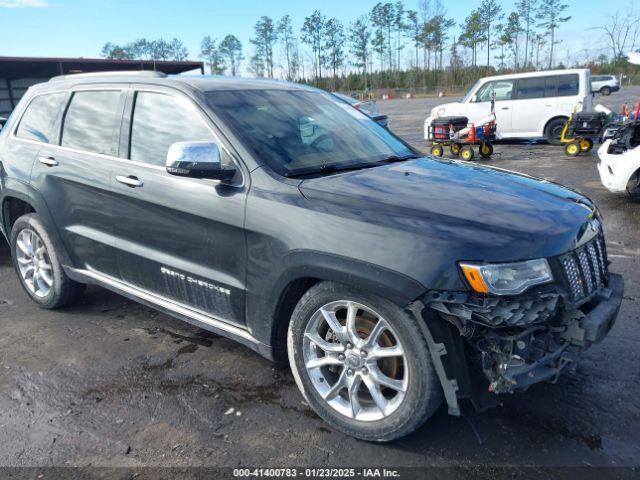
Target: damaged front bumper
{"x":502,"y":345}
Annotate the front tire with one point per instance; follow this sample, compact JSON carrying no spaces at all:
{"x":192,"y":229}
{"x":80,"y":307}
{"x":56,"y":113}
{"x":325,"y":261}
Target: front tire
{"x":362,"y":363}
{"x":605,"y":91}
{"x":37,"y":263}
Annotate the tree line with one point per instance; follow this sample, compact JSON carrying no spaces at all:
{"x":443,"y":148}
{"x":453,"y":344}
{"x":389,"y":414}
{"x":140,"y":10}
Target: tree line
{"x":389,"y":46}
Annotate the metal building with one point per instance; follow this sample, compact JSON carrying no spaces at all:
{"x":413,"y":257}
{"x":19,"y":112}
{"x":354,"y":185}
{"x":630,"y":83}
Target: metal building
{"x":17,"y":74}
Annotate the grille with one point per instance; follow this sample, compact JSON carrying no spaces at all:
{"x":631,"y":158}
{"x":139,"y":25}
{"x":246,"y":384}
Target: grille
{"x":585,"y":269}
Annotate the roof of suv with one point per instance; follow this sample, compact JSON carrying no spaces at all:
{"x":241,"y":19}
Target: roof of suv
{"x":203,"y":83}
{"x":543,"y":73}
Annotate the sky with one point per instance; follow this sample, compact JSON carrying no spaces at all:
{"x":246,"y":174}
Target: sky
{"x":76,"y":28}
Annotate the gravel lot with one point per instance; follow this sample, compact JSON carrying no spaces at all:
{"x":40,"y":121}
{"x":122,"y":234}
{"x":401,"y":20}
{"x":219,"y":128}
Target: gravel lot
{"x":112,"y":383}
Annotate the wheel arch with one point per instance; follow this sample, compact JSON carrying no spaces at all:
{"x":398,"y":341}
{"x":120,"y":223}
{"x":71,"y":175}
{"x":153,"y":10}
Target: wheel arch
{"x":30,"y":202}
{"x":299,"y":272}
{"x":13,"y":206}
{"x":635,"y":173}
{"x":547,"y":123}
{"x":555,"y":116}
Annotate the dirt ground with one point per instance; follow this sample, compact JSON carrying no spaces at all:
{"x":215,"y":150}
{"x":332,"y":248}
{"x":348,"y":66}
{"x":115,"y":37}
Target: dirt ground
{"x":112,"y":383}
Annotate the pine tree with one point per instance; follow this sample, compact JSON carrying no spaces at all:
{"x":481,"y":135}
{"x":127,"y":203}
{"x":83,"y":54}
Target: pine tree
{"x":550,"y":14}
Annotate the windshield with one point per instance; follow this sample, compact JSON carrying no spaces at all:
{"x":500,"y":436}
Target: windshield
{"x":467,"y":95}
{"x":296,"y":132}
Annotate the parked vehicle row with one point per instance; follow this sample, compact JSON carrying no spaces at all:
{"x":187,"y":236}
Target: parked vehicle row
{"x":527,"y":105}
{"x":278,"y":216}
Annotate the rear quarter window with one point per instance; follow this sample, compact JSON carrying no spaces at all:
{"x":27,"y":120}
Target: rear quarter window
{"x":568,"y":85}
{"x":39,"y":118}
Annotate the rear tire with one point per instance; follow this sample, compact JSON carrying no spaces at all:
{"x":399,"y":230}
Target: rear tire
{"x":37,"y":263}
{"x":352,"y":384}
{"x":553,"y":130}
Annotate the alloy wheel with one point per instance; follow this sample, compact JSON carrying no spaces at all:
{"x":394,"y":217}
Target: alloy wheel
{"x":355,"y":361}
{"x":34,"y":263}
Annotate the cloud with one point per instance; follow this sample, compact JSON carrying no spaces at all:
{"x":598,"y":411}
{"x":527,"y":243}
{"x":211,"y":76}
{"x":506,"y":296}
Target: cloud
{"x":25,"y":4}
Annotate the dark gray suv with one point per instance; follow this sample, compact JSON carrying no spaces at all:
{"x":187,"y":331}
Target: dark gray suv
{"x":289,"y":221}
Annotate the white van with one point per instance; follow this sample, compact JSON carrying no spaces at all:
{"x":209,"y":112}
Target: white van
{"x":528,"y":105}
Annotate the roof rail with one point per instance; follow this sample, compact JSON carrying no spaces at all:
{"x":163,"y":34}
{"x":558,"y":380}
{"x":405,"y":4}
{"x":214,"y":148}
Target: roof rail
{"x":116,"y":73}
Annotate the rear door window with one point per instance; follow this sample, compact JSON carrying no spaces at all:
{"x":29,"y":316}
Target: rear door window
{"x":568,"y":85}
{"x":159,"y":120}
{"x":92,"y":121}
{"x":531,"y":88}
{"x":536,"y":87}
{"x":38,"y":120}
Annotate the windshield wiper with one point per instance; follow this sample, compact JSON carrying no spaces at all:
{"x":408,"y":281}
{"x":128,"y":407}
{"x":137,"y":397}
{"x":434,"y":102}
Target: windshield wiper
{"x":329,"y":169}
{"x":396,"y":158}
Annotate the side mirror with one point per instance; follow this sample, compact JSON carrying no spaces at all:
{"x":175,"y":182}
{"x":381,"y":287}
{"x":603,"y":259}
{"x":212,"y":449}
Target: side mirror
{"x":197,"y":160}
{"x":2,"y":122}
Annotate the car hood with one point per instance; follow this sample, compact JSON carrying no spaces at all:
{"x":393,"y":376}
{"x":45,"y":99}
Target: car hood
{"x":461,"y":203}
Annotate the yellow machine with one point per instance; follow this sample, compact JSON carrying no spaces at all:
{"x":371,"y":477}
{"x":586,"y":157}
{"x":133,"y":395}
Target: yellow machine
{"x":579,"y":132}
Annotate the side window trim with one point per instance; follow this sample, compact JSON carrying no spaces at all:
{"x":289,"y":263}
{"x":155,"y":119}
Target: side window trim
{"x":57,"y":135}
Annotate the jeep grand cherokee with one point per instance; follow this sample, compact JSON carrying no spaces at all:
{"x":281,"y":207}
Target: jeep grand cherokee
{"x":283,"y":218}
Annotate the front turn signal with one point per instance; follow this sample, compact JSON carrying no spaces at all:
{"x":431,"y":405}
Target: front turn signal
{"x":474,"y":277}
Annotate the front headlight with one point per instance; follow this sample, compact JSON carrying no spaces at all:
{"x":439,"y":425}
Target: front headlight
{"x":506,"y":278}
{"x":441,"y":111}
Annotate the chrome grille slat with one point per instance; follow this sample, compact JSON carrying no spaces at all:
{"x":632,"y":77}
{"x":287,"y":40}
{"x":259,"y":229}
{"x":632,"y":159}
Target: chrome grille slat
{"x":602,"y":254}
{"x":585,"y":269}
{"x":573,"y":276}
{"x":595,"y":264}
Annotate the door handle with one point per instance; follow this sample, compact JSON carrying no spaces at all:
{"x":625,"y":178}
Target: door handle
{"x":48,"y":161}
{"x":504,"y":108}
{"x":131,"y":181}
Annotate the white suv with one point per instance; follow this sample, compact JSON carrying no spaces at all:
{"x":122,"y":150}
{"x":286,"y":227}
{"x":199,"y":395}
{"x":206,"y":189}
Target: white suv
{"x":605,"y":84}
{"x":528,"y":105}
